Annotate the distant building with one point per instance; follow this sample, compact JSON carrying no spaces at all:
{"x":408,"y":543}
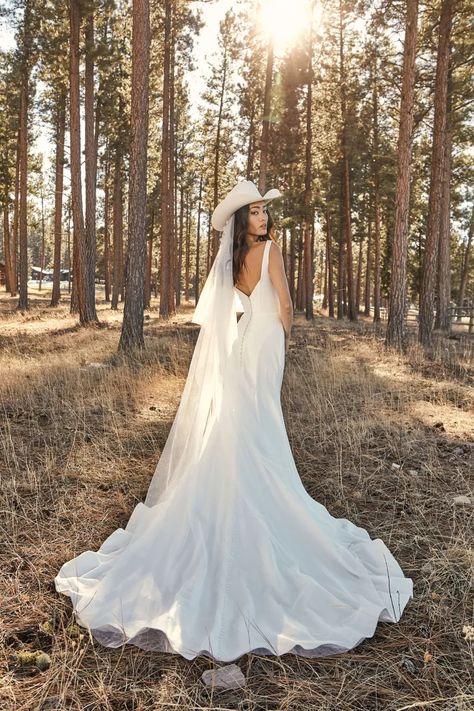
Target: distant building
{"x":47,"y":274}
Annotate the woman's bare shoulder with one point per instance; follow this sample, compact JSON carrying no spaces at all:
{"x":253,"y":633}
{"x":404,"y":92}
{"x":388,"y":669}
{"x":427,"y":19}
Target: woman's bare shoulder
{"x":275,"y":248}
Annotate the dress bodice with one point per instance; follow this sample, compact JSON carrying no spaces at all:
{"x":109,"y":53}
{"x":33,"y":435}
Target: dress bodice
{"x":264,"y":298}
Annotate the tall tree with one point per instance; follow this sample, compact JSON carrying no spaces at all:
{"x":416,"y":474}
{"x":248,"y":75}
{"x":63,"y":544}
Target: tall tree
{"x":465,"y":264}
{"x":430,"y":257}
{"x":26,"y":52}
{"x":443,"y":283}
{"x":308,"y":183}
{"x":81,"y":262}
{"x":58,"y":195}
{"x":91,"y":112}
{"x":395,"y":335}
{"x":266,"y":120}
{"x":166,"y":270}
{"x":346,"y":190}
{"x":376,"y":179}
{"x":132,"y":327}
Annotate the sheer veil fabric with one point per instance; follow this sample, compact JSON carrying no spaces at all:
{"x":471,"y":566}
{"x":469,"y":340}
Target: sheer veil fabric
{"x":201,"y":402}
{"x":228,"y":553}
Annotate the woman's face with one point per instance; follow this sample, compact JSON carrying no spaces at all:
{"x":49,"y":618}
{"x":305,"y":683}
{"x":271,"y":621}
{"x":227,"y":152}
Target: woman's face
{"x":257,"y":219}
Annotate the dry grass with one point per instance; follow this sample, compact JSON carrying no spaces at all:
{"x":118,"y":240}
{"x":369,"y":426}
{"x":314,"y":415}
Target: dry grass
{"x":384,"y":440}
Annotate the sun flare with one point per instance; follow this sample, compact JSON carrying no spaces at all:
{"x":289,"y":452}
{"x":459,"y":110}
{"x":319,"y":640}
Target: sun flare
{"x":284,"y":21}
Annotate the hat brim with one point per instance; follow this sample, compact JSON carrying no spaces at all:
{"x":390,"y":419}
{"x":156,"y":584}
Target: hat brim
{"x":224,"y":212}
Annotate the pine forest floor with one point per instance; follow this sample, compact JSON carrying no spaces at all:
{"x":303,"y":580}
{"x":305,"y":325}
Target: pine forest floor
{"x":382,"y":439}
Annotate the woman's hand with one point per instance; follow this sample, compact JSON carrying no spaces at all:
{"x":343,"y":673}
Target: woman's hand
{"x":287,"y":343}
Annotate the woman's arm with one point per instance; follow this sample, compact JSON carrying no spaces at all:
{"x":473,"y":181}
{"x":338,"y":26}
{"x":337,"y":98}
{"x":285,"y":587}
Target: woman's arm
{"x":276,"y":269}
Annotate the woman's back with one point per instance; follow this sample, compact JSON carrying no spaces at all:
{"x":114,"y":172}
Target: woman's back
{"x":249,"y":275}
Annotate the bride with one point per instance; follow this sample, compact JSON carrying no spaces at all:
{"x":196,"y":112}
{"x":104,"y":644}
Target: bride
{"x":229,"y":554}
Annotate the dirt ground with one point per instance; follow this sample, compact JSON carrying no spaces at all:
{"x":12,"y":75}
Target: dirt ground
{"x":382,"y":439}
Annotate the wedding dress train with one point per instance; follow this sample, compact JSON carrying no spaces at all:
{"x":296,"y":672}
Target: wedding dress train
{"x":242,"y":559}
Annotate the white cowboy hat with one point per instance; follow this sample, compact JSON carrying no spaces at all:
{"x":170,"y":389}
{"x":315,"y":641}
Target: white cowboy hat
{"x":241,"y":194}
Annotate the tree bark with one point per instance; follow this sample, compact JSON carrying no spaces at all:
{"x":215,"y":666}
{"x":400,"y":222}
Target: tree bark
{"x":117,"y":229}
{"x":308,"y":212}
{"x":465,"y":265}
{"x":9,"y":277}
{"x":341,"y":259}
{"x":58,"y":197}
{"x":396,"y":334}
{"x":368,"y":269}
{"x":262,"y":173}
{"x":91,"y":160}
{"x":187,"y":266}
{"x":171,"y":174}
{"x":358,"y":289}
{"x":347,"y":225}
{"x":430,"y":261}
{"x":329,"y":262}
{"x":86,"y":305}
{"x":23,"y":145}
{"x":149,"y":266}
{"x":16,"y":221}
{"x":292,"y":265}
{"x":443,"y":314}
{"x":181,"y":245}
{"x":165,"y":252}
{"x":106,"y":228}
{"x":132,"y":327}
{"x":198,"y":244}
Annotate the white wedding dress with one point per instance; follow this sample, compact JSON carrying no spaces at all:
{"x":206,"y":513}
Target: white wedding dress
{"x":243,"y":559}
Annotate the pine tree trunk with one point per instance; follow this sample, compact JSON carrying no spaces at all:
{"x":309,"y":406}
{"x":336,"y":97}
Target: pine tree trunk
{"x":23,"y":145}
{"x":308,"y":212}
{"x":132,"y":327}
{"x":165,"y":252}
{"x":209,"y":241}
{"x":217,"y":155}
{"x":465,"y":265}
{"x":396,"y":334}
{"x":359,"y":275}
{"x":181,"y":245}
{"x":87,"y":313}
{"x":430,"y":260}
{"x":341,"y":259}
{"x":250,"y":147}
{"x":42,"y":238}
{"x":368,"y":270}
{"x":117,"y":230}
{"x":106,"y":228}
{"x":58,"y":197}
{"x":352,"y":313}
{"x":149,"y":268}
{"x":443,"y":314}
{"x":171,"y":175}
{"x":330,"y":268}
{"x":377,"y":253}
{"x":376,"y":174}
{"x":90,"y":163}
{"x":197,"y":286}
{"x":16,"y":220}
{"x":187,"y":268}
{"x":264,"y":141}
{"x":300,"y":283}
{"x":9,"y":279}
{"x":292,"y":266}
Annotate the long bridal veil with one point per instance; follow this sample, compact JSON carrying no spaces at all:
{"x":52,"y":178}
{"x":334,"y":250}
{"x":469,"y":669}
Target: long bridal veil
{"x":202,"y":398}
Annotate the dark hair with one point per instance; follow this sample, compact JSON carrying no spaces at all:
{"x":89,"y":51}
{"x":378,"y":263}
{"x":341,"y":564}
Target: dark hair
{"x":241,"y":247}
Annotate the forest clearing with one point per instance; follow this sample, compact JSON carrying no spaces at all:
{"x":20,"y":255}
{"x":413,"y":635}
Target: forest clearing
{"x":236,"y":355}
{"x":382,"y":439}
